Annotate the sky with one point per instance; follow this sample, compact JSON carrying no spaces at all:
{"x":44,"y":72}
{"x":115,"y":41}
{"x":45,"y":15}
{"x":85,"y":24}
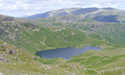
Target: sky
{"x":20,"y":8}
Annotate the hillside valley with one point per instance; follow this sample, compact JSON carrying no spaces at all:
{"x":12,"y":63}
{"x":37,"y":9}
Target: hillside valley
{"x":21,"y":38}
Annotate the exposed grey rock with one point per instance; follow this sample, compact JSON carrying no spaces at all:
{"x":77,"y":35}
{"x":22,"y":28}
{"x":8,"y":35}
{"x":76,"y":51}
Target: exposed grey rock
{"x":1,"y":73}
{"x":12,"y":52}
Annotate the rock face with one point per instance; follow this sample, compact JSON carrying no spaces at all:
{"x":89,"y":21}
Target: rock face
{"x":1,"y":73}
{"x":6,"y":51}
{"x":3,"y":59}
{"x":12,"y":52}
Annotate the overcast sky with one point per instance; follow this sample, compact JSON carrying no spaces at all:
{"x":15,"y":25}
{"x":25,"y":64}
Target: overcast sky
{"x":20,"y":8}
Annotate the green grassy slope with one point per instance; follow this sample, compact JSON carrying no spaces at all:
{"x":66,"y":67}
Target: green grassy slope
{"x":47,"y":38}
{"x":41,"y":34}
{"x":17,"y":61}
{"x":111,"y":32}
{"x":55,"y":34}
{"x":109,"y":61}
{"x":106,"y":62}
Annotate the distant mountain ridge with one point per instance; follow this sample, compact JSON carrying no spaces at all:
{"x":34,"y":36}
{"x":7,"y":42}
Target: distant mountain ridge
{"x":80,"y":14}
{"x":64,"y":12}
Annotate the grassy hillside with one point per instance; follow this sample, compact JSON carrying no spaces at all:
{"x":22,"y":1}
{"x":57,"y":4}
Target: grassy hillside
{"x":53,"y":32}
{"x":49,"y":38}
{"x":111,"y":32}
{"x":15,"y":61}
{"x":21,"y":38}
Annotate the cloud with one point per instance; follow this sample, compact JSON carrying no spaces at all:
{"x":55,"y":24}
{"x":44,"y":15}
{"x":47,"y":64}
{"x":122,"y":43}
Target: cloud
{"x":30,"y":7}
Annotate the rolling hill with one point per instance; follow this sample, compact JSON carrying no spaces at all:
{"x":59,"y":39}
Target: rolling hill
{"x":20,"y":38}
{"x":107,"y":23}
{"x":93,"y":26}
{"x":80,"y":14}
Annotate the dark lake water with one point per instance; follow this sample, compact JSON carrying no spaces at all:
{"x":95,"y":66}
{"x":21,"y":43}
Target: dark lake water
{"x":65,"y":53}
